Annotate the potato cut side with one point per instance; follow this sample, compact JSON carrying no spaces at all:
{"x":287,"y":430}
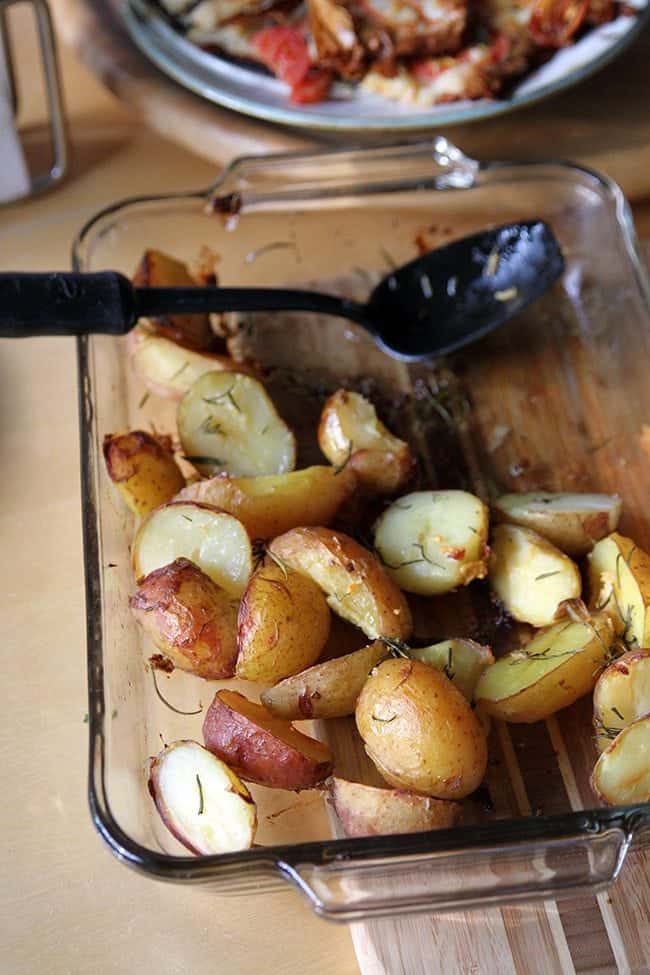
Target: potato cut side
{"x":530,"y":576}
{"x":356,"y":586}
{"x":622,"y":773}
{"x":200,"y":800}
{"x":227,"y":422}
{"x":560,"y":664}
{"x":462,"y":661}
{"x":143,"y":469}
{"x":159,"y":270}
{"x":350,"y":433}
{"x":215,"y":541}
{"x":433,"y":541}
{"x":572,"y":522}
{"x":367,"y":811}
{"x":272,"y":504}
{"x":262,"y":748}
{"x":621,"y":695}
{"x":619,"y":584}
{"x":327,"y":690}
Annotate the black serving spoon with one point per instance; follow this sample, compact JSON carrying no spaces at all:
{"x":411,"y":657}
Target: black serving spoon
{"x":431,"y":306}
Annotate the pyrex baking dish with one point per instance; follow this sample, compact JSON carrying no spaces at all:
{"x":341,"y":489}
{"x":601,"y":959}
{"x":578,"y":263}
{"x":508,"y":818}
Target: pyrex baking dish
{"x":554,"y":400}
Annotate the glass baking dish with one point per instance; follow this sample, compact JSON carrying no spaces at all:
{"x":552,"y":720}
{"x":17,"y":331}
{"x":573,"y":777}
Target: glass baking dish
{"x":554,"y":400}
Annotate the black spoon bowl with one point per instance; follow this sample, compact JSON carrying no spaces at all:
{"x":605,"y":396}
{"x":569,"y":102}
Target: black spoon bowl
{"x":431,"y":306}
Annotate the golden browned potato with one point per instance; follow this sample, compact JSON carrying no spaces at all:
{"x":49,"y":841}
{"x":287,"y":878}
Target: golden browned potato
{"x":433,"y":541}
{"x":351,"y":434}
{"x":355,"y":584}
{"x":621,"y":695}
{"x":158,"y":270}
{"x":530,"y":576}
{"x":619,"y":584}
{"x":283,"y":624}
{"x":572,"y":522}
{"x":559,"y":665}
{"x":262,"y":748}
{"x":366,"y":811}
{"x":270,"y":505}
{"x":419,"y":730}
{"x":622,"y":773}
{"x":328,"y":690}
{"x":462,"y":661}
{"x":227,"y":422}
{"x":189,"y":618}
{"x":143,"y":469}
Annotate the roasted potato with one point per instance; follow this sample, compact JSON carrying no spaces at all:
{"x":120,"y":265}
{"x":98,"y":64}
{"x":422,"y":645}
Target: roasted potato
{"x":572,"y":522}
{"x":262,"y":748}
{"x":420,"y":731}
{"x":215,"y":541}
{"x":328,"y":690}
{"x":283,"y":624}
{"x":143,"y":469}
{"x":530,"y":576}
{"x":351,"y":435}
{"x":622,"y":773}
{"x":462,"y":661}
{"x":621,"y":695}
{"x":355,"y":584}
{"x":227,"y":422}
{"x":158,"y":270}
{"x":619,"y":584}
{"x":200,"y":800}
{"x":433,"y":541}
{"x":270,"y":505}
{"x":366,"y":811}
{"x":559,"y":665}
{"x":189,"y":618}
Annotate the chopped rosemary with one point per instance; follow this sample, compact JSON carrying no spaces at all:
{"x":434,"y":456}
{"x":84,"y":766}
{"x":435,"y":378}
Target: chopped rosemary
{"x":265,"y":430}
{"x":144,"y":398}
{"x":629,"y":555}
{"x":448,"y":669}
{"x":425,"y":557}
{"x":201,"y":806}
{"x":274,"y":245}
{"x":213,"y":400}
{"x":396,"y":565}
{"x":179,"y":371}
{"x":547,"y":575}
{"x":617,"y":713}
{"x":210,"y":425}
{"x":187,"y":518}
{"x":166,"y":702}
{"x":389,"y":259}
{"x":278,"y":561}
{"x":384,"y":720}
{"x":203,"y":459}
{"x":397,"y":647}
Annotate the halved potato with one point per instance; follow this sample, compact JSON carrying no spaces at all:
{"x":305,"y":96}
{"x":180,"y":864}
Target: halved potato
{"x":227,"y":422}
{"x":572,"y":522}
{"x":367,"y":811}
{"x":619,"y":584}
{"x":283,"y":624}
{"x":433,"y":541}
{"x":215,"y":541}
{"x":462,"y":661}
{"x":621,"y":695}
{"x":351,"y":434}
{"x":622,"y":773}
{"x":559,"y":665}
{"x":159,"y":270}
{"x":530,"y":576}
{"x":355,"y":584}
{"x":262,"y":748}
{"x":200,"y":800}
{"x":327,"y":690}
{"x":272,"y":504}
{"x":419,"y":730}
{"x":143,"y":469}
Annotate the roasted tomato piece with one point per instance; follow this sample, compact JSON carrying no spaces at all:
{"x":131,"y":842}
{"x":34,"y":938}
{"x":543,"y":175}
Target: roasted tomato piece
{"x":314,"y":87}
{"x":284,"y":51}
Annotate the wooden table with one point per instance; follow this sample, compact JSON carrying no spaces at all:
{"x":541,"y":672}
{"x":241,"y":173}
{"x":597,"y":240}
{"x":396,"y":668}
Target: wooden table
{"x":65,"y":905}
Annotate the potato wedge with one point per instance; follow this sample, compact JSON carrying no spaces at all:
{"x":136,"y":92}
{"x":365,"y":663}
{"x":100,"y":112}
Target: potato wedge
{"x":462,"y":661}
{"x":419,"y":730}
{"x":367,"y":811}
{"x":433,"y":541}
{"x":572,"y":522}
{"x":621,"y":695}
{"x":619,"y":584}
{"x":270,"y":505}
{"x":189,"y":618}
{"x":283,"y":624}
{"x":530,"y":576}
{"x":355,"y":584}
{"x":159,"y":270}
{"x":328,"y":690}
{"x":262,"y":748}
{"x":215,"y":541}
{"x":143,"y":469}
{"x":227,"y":422}
{"x":622,"y":773}
{"x":200,"y":800}
{"x":351,"y":434}
{"x":559,"y":665}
